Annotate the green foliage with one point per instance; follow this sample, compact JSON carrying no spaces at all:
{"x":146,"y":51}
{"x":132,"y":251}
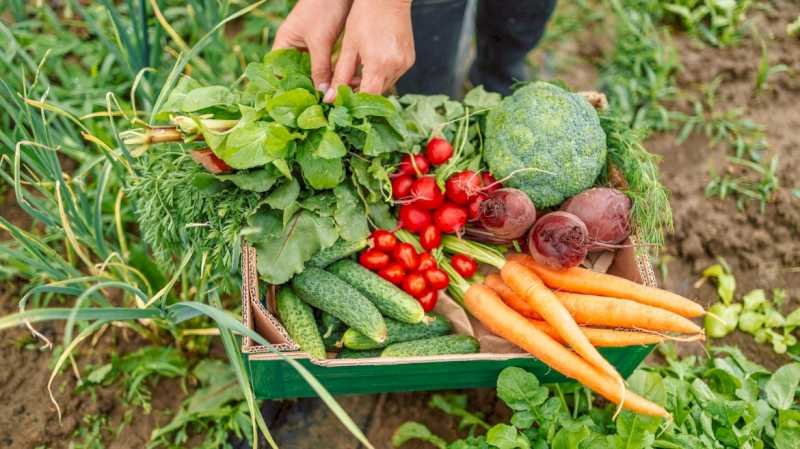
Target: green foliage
{"x":717,"y":22}
{"x":765,"y":71}
{"x":548,"y":142}
{"x":725,"y":401}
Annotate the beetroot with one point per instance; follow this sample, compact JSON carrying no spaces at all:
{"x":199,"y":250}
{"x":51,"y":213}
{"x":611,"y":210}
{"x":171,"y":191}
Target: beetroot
{"x":507,"y":213}
{"x":606,"y":214}
{"x":558,"y":240}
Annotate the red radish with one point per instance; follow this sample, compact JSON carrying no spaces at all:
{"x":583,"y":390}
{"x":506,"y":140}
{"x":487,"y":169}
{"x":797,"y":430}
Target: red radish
{"x":450,"y":218}
{"x":438,"y":151}
{"x":436,"y":278}
{"x":210,"y":161}
{"x":414,"y":218}
{"x":373,"y":259}
{"x":428,"y":300}
{"x":606,"y":214}
{"x":383,"y":240}
{"x":464,"y":265}
{"x":474,"y":208}
{"x":406,"y":255}
{"x":401,"y":186}
{"x":426,"y":262}
{"x":463,"y":187}
{"x":507,"y":213}
{"x":418,"y":167}
{"x":394,"y":273}
{"x":489,"y":183}
{"x":558,"y":240}
{"x":426,"y":193}
{"x":415,"y":285}
{"x":430,"y":237}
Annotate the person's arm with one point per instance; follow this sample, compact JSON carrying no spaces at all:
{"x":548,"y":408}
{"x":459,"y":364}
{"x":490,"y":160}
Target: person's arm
{"x":377,"y":36}
{"x":314,"y":25}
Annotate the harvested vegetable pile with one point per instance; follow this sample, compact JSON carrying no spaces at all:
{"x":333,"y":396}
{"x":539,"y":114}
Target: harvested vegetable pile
{"x":366,"y":210}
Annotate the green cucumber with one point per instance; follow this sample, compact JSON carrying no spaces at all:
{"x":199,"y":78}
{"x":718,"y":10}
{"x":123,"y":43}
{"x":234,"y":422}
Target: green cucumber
{"x":448,"y":344}
{"x":433,"y":325}
{"x":351,"y":354}
{"x":389,"y":299}
{"x":332,"y":330}
{"x":327,"y":292}
{"x":339,"y":250}
{"x":298,"y":319}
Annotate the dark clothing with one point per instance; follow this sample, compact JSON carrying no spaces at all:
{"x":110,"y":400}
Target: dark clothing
{"x":506,"y":30}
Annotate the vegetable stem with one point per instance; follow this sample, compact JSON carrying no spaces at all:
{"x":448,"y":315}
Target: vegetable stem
{"x":480,"y":252}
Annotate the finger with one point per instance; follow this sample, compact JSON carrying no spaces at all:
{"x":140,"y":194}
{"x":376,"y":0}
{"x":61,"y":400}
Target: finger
{"x":372,"y":82}
{"x":320,"y":65}
{"x":343,"y":73}
{"x":283,"y":39}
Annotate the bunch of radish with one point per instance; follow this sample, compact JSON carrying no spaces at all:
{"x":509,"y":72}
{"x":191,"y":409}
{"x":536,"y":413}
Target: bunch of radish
{"x":399,"y":263}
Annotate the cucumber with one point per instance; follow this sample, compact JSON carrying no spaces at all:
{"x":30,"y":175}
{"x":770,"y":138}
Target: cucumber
{"x":389,"y":299}
{"x":351,"y":354}
{"x":448,"y":344}
{"x":332,"y":330}
{"x":339,"y":250}
{"x":298,"y":319}
{"x":327,"y":292}
{"x":433,"y":325}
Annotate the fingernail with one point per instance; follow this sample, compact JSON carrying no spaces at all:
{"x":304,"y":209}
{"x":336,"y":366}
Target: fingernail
{"x":330,"y":95}
{"x":323,"y":87}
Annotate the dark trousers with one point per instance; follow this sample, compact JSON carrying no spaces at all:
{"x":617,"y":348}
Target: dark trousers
{"x":505,"y":31}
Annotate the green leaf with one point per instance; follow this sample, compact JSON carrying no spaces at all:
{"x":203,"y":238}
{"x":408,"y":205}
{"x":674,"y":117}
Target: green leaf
{"x":415,"y":431}
{"x":570,"y":437}
{"x":99,"y":374}
{"x":254,"y":181}
{"x":255,"y":144}
{"x":207,"y":97}
{"x":330,"y":146}
{"x":381,"y":215}
{"x":381,"y":138}
{"x":478,"y":98}
{"x":787,"y":435}
{"x":504,"y":436}
{"x":456,"y":405}
{"x":350,"y":216}
{"x":751,"y":321}
{"x":319,"y":173}
{"x":265,"y":224}
{"x":175,"y":100}
{"x":635,"y":430}
{"x":368,"y":105}
{"x":303,"y":236}
{"x":285,"y":107}
{"x":520,"y":390}
{"x":287,"y":60}
{"x":781,"y":387}
{"x":340,"y":117}
{"x":722,"y":319}
{"x":726,"y":283}
{"x":283,"y":196}
{"x":312,"y":118}
{"x":754,"y":299}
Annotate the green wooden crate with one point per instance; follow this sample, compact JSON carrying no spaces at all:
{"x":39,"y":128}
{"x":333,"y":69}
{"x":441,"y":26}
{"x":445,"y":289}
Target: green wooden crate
{"x":274,"y":378}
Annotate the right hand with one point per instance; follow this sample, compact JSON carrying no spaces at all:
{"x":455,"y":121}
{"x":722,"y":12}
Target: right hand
{"x":314,"y":25}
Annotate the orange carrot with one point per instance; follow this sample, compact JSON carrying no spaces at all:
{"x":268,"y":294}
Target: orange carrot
{"x":613,"y":338}
{"x":486,"y":306}
{"x":581,"y":280}
{"x":510,"y":297}
{"x":544,"y":302}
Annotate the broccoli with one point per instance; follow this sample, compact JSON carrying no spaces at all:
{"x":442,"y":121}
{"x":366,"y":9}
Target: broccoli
{"x":545,"y":127}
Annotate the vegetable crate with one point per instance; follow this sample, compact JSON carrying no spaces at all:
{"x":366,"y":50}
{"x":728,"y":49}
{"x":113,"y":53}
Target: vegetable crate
{"x":273,"y":378}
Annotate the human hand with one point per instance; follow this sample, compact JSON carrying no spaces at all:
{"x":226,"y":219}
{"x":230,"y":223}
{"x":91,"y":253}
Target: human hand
{"x":314,"y":25}
{"x":377,"y":35}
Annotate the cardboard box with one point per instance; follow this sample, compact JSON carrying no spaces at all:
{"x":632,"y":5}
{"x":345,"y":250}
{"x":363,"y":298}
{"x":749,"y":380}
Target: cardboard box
{"x":273,"y":378}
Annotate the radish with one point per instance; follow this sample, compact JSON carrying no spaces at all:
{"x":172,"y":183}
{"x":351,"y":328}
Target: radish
{"x":474,"y":208}
{"x":489,"y":183}
{"x":450,"y":218}
{"x":606,"y":214}
{"x":210,"y":161}
{"x":414,"y":218}
{"x":438,"y":151}
{"x":559,"y":240}
{"x":407,"y":167}
{"x":463,"y":187}
{"x":426,"y":193}
{"x":507,"y":213}
{"x":401,"y":186}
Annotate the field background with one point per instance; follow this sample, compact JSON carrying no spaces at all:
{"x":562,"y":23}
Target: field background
{"x":725,"y":88}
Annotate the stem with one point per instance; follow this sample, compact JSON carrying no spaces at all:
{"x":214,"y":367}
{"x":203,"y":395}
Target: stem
{"x":458,"y":286}
{"x":478,"y":251}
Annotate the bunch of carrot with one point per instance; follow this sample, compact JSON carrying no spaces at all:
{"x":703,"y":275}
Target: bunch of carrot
{"x":540,"y":310}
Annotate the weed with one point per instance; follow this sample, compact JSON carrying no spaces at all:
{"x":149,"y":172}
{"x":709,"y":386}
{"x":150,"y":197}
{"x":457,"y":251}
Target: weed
{"x":717,"y":22}
{"x":746,"y":180}
{"x":765,"y":71}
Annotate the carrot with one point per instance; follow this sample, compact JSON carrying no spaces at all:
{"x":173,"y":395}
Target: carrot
{"x":605,"y":338}
{"x":544,"y":302}
{"x":581,"y":280}
{"x":486,"y":306}
{"x":510,"y":297}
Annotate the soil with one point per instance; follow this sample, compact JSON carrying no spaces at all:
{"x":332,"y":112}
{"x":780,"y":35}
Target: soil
{"x":762,"y":248}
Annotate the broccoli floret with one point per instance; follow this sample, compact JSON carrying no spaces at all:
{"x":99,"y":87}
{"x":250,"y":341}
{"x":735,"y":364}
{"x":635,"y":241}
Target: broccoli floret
{"x":545,"y":127}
